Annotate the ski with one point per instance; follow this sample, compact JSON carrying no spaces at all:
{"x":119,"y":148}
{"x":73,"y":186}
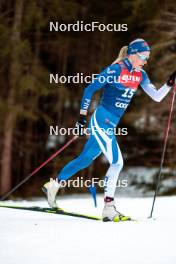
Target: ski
{"x":58,"y":211}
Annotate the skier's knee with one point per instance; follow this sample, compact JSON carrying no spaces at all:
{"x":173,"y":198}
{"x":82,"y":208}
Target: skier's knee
{"x":118,"y":165}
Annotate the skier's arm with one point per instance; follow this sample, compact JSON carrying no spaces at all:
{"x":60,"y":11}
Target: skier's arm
{"x":150,"y":89}
{"x":97,"y":84}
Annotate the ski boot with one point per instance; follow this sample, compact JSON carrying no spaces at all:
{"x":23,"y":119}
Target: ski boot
{"x":50,"y":189}
{"x":111,"y":214}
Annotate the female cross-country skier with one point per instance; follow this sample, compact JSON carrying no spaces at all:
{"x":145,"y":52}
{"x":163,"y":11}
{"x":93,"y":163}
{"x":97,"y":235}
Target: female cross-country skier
{"x":117,"y":95}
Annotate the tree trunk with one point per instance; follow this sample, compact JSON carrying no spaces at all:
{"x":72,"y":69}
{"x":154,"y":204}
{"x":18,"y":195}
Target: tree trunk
{"x":6,"y":160}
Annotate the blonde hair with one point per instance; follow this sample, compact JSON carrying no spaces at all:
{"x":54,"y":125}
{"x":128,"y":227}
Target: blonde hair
{"x":122,"y":55}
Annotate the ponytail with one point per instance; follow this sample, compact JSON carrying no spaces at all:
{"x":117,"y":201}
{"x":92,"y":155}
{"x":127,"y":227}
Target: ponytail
{"x":122,"y":55}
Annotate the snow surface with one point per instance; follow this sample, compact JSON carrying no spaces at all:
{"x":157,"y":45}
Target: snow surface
{"x":37,"y":238}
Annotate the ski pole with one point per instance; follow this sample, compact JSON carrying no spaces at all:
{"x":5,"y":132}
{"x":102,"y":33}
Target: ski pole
{"x":38,"y":168}
{"x":93,"y":191}
{"x":164,"y":150}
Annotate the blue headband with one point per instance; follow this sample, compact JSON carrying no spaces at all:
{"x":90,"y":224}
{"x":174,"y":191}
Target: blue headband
{"x":138,"y":45}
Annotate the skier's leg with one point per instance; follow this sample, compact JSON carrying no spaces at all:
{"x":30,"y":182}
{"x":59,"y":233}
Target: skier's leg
{"x":109,"y":211}
{"x":111,"y":150}
{"x":107,"y":142}
{"x":114,"y":170}
{"x":89,"y":153}
{"x":109,"y":146}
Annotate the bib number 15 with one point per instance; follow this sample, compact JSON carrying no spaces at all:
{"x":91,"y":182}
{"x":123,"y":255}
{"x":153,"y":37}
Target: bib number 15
{"x":128,"y":93}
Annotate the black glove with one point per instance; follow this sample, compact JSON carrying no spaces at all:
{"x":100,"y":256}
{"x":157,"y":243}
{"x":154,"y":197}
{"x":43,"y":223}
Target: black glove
{"x":80,"y":125}
{"x":172,"y":79}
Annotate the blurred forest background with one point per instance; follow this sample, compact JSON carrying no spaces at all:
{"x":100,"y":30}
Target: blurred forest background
{"x":29,"y":104}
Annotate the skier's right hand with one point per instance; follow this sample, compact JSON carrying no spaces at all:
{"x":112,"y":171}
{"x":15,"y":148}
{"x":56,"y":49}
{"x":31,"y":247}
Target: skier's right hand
{"x":172,"y":79}
{"x":80,"y":125}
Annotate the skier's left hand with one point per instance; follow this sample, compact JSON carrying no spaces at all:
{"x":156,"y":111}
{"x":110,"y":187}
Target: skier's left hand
{"x":80,"y":125}
{"x":172,"y":79}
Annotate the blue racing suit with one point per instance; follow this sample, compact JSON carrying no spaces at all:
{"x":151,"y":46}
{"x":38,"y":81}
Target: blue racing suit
{"x":119,"y":83}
